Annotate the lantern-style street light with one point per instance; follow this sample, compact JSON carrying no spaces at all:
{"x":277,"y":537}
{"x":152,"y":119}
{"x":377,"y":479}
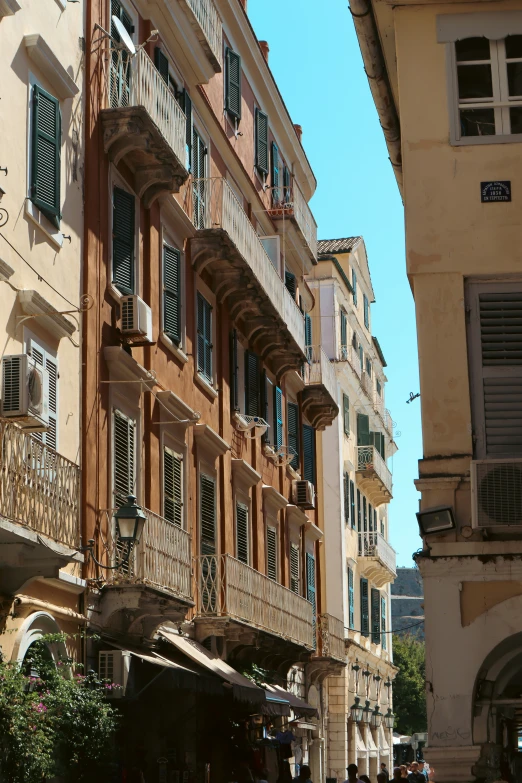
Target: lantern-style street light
{"x":356,"y":711}
{"x":376,"y":717}
{"x":130,"y":521}
{"x":389,"y":719}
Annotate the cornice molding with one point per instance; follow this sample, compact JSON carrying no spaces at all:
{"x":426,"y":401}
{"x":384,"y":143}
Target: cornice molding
{"x":295,"y":516}
{"x":34,"y":304}
{"x":43,"y":56}
{"x":208,"y":440}
{"x":244,"y":473}
{"x":178,"y":409}
{"x":273,"y":499}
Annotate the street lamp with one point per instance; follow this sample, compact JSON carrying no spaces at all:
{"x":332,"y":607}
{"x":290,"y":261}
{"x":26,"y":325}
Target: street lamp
{"x":376,"y":717}
{"x":389,"y":719}
{"x":367,"y":713}
{"x":130,"y":521}
{"x":356,"y":711}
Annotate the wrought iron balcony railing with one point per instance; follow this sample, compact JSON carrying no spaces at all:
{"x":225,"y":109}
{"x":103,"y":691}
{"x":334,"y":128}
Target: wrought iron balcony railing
{"x":320,"y":394}
{"x":373,"y":545}
{"x":347,"y":353}
{"x":205,"y":14}
{"x":331,"y":638}
{"x":288,"y":203}
{"x":370,"y":461}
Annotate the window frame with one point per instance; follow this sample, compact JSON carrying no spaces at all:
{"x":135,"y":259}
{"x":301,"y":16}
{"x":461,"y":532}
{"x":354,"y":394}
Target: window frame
{"x":206,"y":293}
{"x":31,"y":339}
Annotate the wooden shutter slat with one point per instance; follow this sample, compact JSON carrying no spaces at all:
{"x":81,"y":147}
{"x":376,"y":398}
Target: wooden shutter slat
{"x":123,"y":217}
{"x":172,"y":487}
{"x":204,"y":337}
{"x":290,"y":283}
{"x":365,"y":620}
{"x":292,"y":424}
{"x":352,"y":503}
{"x":309,"y":453}
{"x":172,"y":293}
{"x":275,"y":173}
{"x":359,"y":511}
{"x":346,"y":497}
{"x":233,"y":83}
{"x":242,"y":546}
{"x":207,"y":494}
{"x":261,"y":141}
{"x":295,"y":569}
{"x":271,"y":552}
{"x":234,"y":372}
{"x":346,"y":414}
{"x":46,"y":154}
{"x":383,"y":622}
{"x":162,"y":64}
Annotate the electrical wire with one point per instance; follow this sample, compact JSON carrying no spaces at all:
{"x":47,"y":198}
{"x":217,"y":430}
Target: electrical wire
{"x":381,"y":633}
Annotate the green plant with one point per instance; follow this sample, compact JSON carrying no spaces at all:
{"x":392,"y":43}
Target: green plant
{"x":53,"y":722}
{"x":409,"y":696}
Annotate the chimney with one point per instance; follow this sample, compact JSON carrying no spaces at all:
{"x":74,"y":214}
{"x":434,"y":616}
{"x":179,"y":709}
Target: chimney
{"x":264,"y":48}
{"x":299,"y":131}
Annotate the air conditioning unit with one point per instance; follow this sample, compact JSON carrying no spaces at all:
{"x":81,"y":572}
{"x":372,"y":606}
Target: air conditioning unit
{"x":25,"y":392}
{"x":303,"y":494}
{"x":496,"y":493}
{"x":246,"y":423}
{"x":272,"y":245}
{"x":136,"y":318}
{"x":114,"y":665}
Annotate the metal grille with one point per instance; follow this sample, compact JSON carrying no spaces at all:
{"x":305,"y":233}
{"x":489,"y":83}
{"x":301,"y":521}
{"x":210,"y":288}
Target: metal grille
{"x":11,"y":384}
{"x":498,"y":490}
{"x":501,"y":328}
{"x":127,"y":314}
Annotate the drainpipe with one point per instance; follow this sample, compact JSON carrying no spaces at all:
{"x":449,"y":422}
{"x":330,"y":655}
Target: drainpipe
{"x":375,"y":68}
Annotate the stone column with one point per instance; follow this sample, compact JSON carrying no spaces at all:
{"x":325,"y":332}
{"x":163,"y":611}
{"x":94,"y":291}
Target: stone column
{"x":337,"y":738}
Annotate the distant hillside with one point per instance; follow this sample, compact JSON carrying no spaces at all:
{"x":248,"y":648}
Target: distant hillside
{"x":408,"y":582}
{"x":407,"y":598}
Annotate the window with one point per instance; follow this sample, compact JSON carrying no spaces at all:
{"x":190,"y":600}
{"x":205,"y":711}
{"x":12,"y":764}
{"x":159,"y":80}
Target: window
{"x":359,"y":511}
{"x":309,"y":453}
{"x":162,"y":64}
{"x":365,"y":514}
{"x":278,"y":417}
{"x":376,"y":616}
{"x":198,"y":166}
{"x":365,"y":619}
{"x":370,"y":517}
{"x":383,"y":622}
{"x":290,"y":283}
{"x":123,"y":457}
{"x":123,"y":241}
{"x":308,"y":337}
{"x":352,"y":503}
{"x":310,"y":584}
{"x":173,"y":486}
{"x":207,"y":514}
{"x":488,"y":86}
{"x":172,"y":293}
{"x":366,"y":307}
{"x":242,"y":534}
{"x":344,"y":333}
{"x":354,"y":286}
{"x":204,"y":332}
{"x":361,"y":355}
{"x":271,"y":552}
{"x":261,"y":142}
{"x":233,"y":84}
{"x":346,"y":414}
{"x":363,"y":430}
{"x":252,"y":384}
{"x":351,"y":602}
{"x":287,"y":178}
{"x":46,"y":146}
{"x":45,"y":358}
{"x":368,"y":368}
{"x":383,"y":528}
{"x":295,"y":569}
{"x":186,"y":104}
{"x":292,"y":424}
{"x":378,"y":387}
{"x":120,"y":59}
{"x":275,"y":174}
{"x":234,"y":372}
{"x":346,"y":497}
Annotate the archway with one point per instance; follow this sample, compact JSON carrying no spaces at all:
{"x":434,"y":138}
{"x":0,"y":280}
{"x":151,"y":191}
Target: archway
{"x":34,"y":628}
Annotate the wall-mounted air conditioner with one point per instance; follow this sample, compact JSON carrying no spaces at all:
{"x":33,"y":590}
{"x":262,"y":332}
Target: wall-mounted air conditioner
{"x":272,"y":245}
{"x":496,"y":493}
{"x":114,"y":666}
{"x":25,"y":392}
{"x":303,"y":493}
{"x":136,"y":318}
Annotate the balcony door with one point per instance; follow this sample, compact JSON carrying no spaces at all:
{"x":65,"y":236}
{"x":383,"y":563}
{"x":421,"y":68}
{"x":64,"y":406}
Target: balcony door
{"x":120,"y":74}
{"x":199,"y":154}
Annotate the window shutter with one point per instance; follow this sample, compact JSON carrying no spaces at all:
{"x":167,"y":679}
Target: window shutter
{"x":287,"y":196}
{"x":290,"y":283}
{"x":252,"y":384}
{"x":46,"y":154}
{"x":207,"y":499}
{"x":275,"y":174}
{"x":172,"y":487}
{"x":242,"y":533}
{"x":365,"y":619}
{"x":310,"y":584}
{"x":363,"y":430}
{"x":308,"y":336}
{"x":354,"y":286}
{"x":344,"y":330}
{"x":295,"y":570}
{"x":361,"y":357}
{"x":346,"y":495}
{"x":359,"y":511}
{"x":172,"y":293}
{"x":370,"y":517}
{"x":278,"y":417}
{"x":309,"y":453}
{"x":366,"y":306}
{"x":352,"y":503}
{"x":365,"y":515}
{"x":198,"y":155}
{"x":383,"y":622}
{"x":368,"y":367}
{"x":234,"y":372}
{"x":346,"y":414}
{"x":376,"y":616}
{"x":123,"y":240}
{"x":233,"y":84}
{"x":351,"y":602}
{"x":123,"y":448}
{"x":261,"y":141}
{"x":292,"y":424}
{"x":187,"y":109}
{"x":162,"y":64}
{"x":264,"y":404}
{"x":204,"y":328}
{"x":271,"y":552}
{"x":51,"y":436}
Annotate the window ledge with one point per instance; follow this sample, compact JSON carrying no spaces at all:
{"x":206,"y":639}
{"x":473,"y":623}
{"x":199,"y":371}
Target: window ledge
{"x":210,"y":441}
{"x":175,"y":406}
{"x":244,"y":473}
{"x":312,"y":532}
{"x":205,"y":385}
{"x":123,"y":367}
{"x":294,"y":515}
{"x":8,"y":7}
{"x":34,"y":304}
{"x":6,"y":271}
{"x":467,"y":141}
{"x":38,"y":218}
{"x":173,"y":348}
{"x":273,"y":499}
{"x":43,"y":56}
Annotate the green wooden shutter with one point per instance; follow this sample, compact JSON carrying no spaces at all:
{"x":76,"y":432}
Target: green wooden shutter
{"x":346,"y":414}
{"x":354,"y":286}
{"x":365,"y":619}
{"x":233,"y":83}
{"x":352,"y":503}
{"x":346,"y":497}
{"x":376,"y":616}
{"x":204,"y":329}
{"x":366,"y":306}
{"x":383,"y":622}
{"x":359,"y":511}
{"x":363,"y":430}
{"x":278,"y":417}
{"x":351,"y":601}
{"x":344,"y":332}
{"x":242,"y":547}
{"x":123,"y":240}
{"x":252,"y":384}
{"x":46,"y":154}
{"x":370,"y":517}
{"x":172,"y":293}
{"x":276,"y":196}
{"x":271,"y":552}
{"x":292,"y":426}
{"x":368,"y":367}
{"x":234,"y":372}
{"x":310,"y":585}
{"x":365,"y":515}
{"x":290,"y":283}
{"x":172,"y":487}
{"x":309,"y":453}
{"x":186,"y":105}
{"x":287,"y":195}
{"x":123,"y":457}
{"x":261,"y":141}
{"x":308,"y":336}
{"x":207,"y":514}
{"x":162,"y":64}
{"x":264,"y":404}
{"x":295,"y":569}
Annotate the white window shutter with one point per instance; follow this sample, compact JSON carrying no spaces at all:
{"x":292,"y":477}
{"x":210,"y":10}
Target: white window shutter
{"x":44,"y":358}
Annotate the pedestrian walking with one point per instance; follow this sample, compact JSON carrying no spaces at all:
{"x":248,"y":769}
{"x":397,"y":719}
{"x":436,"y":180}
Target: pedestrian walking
{"x":304,"y":775}
{"x":365,"y":779}
{"x":397,"y":773}
{"x":381,"y":778}
{"x":404,"y":771}
{"x":384,"y":771}
{"x":353,"y":774}
{"x":416,"y":776}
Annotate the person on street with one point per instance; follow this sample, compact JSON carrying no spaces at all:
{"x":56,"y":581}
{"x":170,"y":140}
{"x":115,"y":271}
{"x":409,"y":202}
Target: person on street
{"x":381,"y":778}
{"x":416,"y":776}
{"x":365,"y":778}
{"x":384,"y":771}
{"x":397,"y":773}
{"x":404,"y":771}
{"x":353,"y":776}
{"x":304,"y":775}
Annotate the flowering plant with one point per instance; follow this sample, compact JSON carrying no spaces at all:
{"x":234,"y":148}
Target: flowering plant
{"x":53,"y":723}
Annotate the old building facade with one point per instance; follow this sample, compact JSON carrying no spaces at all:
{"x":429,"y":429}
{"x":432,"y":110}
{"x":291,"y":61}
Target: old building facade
{"x":446,"y":82}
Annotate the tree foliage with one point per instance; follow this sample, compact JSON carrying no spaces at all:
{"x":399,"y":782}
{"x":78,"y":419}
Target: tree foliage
{"x":53,"y":722}
{"x":409,"y":697}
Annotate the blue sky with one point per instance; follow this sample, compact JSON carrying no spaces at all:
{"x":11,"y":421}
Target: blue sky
{"x":316,"y":61}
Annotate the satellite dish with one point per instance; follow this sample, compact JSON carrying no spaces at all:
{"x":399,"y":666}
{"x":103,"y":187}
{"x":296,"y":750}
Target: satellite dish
{"x":125,"y":38}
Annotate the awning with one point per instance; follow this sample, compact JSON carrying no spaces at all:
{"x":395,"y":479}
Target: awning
{"x":242,"y":688}
{"x":359,"y":742}
{"x":299,"y":707}
{"x":370,"y":743}
{"x":275,"y":705}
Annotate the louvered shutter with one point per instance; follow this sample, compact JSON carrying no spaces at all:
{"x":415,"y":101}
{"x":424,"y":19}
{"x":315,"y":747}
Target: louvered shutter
{"x":308,"y":336}
{"x":370,"y":517}
{"x":124,"y":437}
{"x":252,"y":384}
{"x":207,"y":514}
{"x":290,"y":283}
{"x":275,"y":174}
{"x":309,"y":453}
{"x":292,"y":424}
{"x":186,"y":105}
{"x":383,"y":622}
{"x":198,"y":154}
{"x":162,"y":64}
{"x":234,"y":372}
{"x":354,"y":286}
{"x":261,"y":141}
{"x":376,"y":616}
{"x":278,"y":417}
{"x":363,"y":430}
{"x":51,"y":436}
{"x":173,"y":487}
{"x":361,"y":357}
{"x":265,"y":391}
{"x":366,"y":307}
{"x":368,"y":367}
{"x":295,"y":570}
{"x":123,"y":240}
{"x":242,"y":548}
{"x":365,"y":619}
{"x":346,"y":414}
{"x":365,"y":515}
{"x":46,"y":154}
{"x":351,"y":601}
{"x":359,"y":511}
{"x":344,"y":330}
{"x":271,"y":552}
{"x":352,"y":503}
{"x":233,"y":83}
{"x":172,"y":293}
{"x":310,"y":585}
{"x":346,"y":497}
{"x":495,"y":339}
{"x":287,"y":195}
{"x":204,"y":329}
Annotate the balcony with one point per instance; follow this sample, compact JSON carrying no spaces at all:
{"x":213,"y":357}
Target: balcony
{"x":39,"y":509}
{"x":384,"y":413}
{"x":227,"y":245}
{"x":367,"y":385}
{"x":373,"y":475}
{"x":144,"y":125}
{"x":294,"y":220}
{"x":331,"y":638}
{"x":206,"y":23}
{"x":347,"y":353}
{"x":320,"y":393}
{"x":377,"y":558}
{"x":234,"y":591}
